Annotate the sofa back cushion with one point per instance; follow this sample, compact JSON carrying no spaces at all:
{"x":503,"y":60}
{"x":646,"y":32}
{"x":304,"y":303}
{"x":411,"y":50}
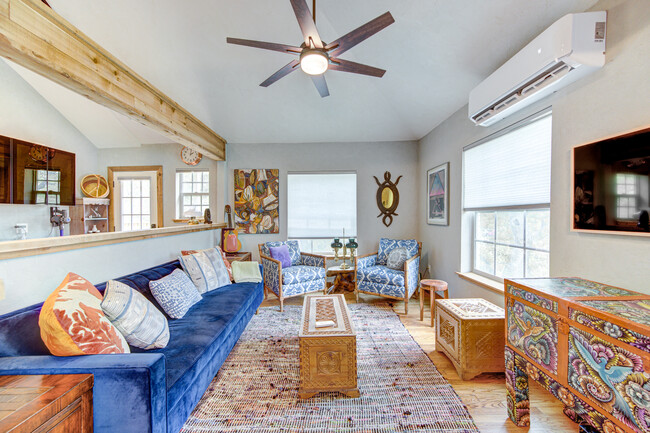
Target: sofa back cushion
{"x":19,"y":332}
{"x":387,"y":245}
{"x":294,"y":250}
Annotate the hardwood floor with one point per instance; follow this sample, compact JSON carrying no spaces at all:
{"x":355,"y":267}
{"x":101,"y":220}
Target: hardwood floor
{"x":484,"y":395}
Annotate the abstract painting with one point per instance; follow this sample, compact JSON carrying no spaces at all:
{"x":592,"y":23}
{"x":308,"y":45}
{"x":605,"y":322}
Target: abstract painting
{"x":438,"y":195}
{"x":256,"y":201}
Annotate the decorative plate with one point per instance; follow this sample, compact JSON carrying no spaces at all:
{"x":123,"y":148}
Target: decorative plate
{"x":41,"y":153}
{"x":190,"y":156}
{"x":95,"y":186}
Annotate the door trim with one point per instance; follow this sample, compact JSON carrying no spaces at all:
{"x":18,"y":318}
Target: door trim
{"x":159,"y":192}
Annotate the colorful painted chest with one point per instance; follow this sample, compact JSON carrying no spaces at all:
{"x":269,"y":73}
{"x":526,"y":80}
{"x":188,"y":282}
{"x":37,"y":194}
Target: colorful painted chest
{"x":587,"y":343}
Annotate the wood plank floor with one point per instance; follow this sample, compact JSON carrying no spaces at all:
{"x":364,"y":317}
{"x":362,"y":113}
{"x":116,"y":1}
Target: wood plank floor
{"x":483,"y":395}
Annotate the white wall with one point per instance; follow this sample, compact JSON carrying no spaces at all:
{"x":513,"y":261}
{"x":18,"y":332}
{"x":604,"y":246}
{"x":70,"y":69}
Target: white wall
{"x":366,"y":159}
{"x":613,"y":100}
{"x":25,"y":115}
{"x":168,"y":156}
{"x":29,"y":280}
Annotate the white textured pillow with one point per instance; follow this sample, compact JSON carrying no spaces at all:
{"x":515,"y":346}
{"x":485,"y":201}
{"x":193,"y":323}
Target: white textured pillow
{"x":206,"y":269}
{"x":396,"y":259}
{"x":139,"y":321}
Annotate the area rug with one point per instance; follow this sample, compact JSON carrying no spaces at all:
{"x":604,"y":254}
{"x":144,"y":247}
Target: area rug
{"x":256,"y":389}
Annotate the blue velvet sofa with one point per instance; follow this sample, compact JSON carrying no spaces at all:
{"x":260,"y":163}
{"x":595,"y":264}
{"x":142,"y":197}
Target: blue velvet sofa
{"x":143,"y":391}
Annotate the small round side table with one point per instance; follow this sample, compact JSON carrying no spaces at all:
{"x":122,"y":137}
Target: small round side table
{"x":344,"y":278}
{"x":433,"y":286}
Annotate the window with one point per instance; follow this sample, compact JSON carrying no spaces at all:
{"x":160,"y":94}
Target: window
{"x":320,"y":206}
{"x":47,"y":186}
{"x":626,"y":195}
{"x":135,"y":209}
{"x":193,"y":193}
{"x":506,"y":199}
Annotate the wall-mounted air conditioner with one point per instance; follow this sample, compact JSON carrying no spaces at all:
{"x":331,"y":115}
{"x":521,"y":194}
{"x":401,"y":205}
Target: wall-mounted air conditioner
{"x":571,"y":48}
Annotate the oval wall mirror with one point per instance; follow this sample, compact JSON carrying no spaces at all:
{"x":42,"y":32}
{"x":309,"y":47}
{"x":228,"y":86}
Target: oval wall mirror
{"x":387,"y":198}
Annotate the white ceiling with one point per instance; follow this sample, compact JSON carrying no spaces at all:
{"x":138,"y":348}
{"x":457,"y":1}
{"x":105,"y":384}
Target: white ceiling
{"x":434,"y":54}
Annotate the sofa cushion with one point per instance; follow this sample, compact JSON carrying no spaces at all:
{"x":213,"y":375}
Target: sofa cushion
{"x":294,"y":250}
{"x":141,"y":324}
{"x":301,"y":273}
{"x":206,"y":269}
{"x":175,"y":293}
{"x":382,"y":275}
{"x":72,"y":322}
{"x":387,"y":245}
{"x":204,"y":329}
{"x":223,"y":256}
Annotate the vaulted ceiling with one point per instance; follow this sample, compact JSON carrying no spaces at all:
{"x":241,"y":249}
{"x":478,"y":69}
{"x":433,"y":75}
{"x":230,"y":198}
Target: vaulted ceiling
{"x":434,"y":54}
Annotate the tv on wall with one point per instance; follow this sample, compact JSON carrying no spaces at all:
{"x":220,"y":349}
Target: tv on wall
{"x":611,"y":184}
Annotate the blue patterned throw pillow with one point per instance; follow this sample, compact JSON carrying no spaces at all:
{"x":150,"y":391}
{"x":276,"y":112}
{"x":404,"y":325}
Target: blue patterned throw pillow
{"x":396,"y":259}
{"x":139,"y":321}
{"x":175,"y":293}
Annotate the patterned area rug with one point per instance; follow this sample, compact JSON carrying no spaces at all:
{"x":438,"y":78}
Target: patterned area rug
{"x":256,"y":389}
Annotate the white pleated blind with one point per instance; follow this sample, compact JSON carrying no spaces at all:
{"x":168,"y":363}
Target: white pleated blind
{"x":321,"y":205}
{"x":513,"y":169}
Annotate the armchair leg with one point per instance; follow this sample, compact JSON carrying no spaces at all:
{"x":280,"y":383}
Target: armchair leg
{"x":281,"y":305}
{"x":266,"y":293}
{"x":406,"y":306}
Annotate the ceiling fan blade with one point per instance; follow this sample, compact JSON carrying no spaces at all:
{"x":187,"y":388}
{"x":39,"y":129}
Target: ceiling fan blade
{"x":284,"y":71}
{"x":321,"y":84}
{"x":307,"y":24}
{"x":355,"y":68}
{"x":265,"y":45}
{"x":359,"y":35}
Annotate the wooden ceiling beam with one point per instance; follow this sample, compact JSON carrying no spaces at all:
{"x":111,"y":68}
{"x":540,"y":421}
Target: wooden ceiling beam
{"x":37,"y":38}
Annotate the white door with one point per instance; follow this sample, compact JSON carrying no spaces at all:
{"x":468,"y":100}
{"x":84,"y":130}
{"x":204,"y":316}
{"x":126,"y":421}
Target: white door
{"x":135,"y":193}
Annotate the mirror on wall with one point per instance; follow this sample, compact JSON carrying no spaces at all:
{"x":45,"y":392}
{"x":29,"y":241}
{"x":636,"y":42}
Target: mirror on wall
{"x":31,"y":173}
{"x":387,"y":198}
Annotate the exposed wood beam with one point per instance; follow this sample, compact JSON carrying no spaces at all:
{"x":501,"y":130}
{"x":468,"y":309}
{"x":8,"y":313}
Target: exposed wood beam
{"x":34,"y":36}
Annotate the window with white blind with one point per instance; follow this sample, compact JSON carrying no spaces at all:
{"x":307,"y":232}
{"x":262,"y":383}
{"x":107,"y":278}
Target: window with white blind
{"x":320,"y":206}
{"x":506,"y":199}
{"x":192,"y":193}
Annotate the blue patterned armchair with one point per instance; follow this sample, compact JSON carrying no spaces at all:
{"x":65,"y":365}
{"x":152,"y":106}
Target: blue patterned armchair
{"x":392,"y":272}
{"x":306,"y":274}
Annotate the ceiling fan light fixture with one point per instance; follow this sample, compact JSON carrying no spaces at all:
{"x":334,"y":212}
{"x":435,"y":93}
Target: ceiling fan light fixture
{"x":313,"y":62}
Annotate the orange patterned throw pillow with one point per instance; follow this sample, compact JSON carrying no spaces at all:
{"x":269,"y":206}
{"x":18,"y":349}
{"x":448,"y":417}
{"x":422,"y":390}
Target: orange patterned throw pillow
{"x":72,"y":322}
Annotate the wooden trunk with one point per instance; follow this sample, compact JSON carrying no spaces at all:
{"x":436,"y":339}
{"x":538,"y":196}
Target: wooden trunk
{"x":587,"y":343}
{"x":470,"y":333}
{"x":57,"y":403}
{"x":328,"y":355}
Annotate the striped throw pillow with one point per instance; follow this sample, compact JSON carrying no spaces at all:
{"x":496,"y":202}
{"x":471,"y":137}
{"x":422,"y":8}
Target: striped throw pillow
{"x":206,"y":269}
{"x":139,"y":321}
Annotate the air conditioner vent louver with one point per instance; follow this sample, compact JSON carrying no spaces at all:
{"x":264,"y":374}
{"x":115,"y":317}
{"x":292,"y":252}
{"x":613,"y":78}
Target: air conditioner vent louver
{"x":563,"y":53}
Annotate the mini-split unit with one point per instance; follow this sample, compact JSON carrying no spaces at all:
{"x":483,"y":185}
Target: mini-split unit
{"x":574,"y":46}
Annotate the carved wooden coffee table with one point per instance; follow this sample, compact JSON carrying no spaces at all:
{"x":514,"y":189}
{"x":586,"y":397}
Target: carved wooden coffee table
{"x":328,"y":355}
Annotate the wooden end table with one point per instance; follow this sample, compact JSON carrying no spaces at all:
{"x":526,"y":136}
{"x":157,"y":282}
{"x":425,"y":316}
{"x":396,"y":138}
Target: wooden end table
{"x":471,"y":332}
{"x":343,"y":278}
{"x":58,"y":402}
{"x":239,"y":256}
{"x":328,"y":355}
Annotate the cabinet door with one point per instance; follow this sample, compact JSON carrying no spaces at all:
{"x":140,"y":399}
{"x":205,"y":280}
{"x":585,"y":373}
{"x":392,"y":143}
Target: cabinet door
{"x":614,"y":378}
{"x":534,"y":333}
{"x":5,"y":165}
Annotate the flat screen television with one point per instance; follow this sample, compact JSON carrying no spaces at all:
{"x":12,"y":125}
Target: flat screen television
{"x":611,"y":184}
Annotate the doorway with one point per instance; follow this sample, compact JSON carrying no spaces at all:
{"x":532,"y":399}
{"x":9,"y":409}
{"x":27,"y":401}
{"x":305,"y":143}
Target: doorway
{"x":135,"y":198}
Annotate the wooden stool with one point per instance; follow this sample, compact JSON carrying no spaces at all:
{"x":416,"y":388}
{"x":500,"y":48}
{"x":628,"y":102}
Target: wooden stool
{"x":433,"y":286}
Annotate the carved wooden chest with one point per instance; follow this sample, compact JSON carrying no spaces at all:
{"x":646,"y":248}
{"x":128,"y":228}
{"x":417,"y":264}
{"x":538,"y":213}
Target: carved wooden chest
{"x":586,"y":343}
{"x":328,"y":347}
{"x":470,"y":333}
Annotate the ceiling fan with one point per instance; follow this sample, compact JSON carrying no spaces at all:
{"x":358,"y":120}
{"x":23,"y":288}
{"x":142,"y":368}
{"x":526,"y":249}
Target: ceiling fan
{"x":315,"y":56}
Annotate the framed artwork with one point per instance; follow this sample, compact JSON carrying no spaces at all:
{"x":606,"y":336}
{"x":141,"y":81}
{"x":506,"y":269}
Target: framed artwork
{"x":256,"y":200}
{"x":438,"y":195}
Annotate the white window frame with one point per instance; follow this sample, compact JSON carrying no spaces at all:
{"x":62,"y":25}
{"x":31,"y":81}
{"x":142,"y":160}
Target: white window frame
{"x":308,"y":242}
{"x":523,"y":247}
{"x":180,"y":194}
{"x":470,"y":213}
